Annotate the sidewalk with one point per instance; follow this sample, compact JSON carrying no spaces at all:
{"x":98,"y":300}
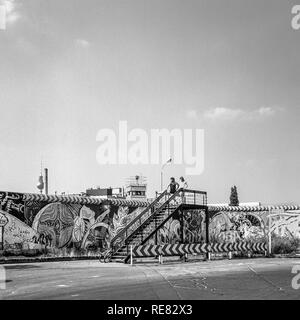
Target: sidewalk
{"x":23,"y":259}
{"x":216,"y":257}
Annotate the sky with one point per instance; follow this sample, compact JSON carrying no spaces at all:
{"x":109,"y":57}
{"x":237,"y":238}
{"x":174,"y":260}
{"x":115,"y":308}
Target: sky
{"x":70,"y":68}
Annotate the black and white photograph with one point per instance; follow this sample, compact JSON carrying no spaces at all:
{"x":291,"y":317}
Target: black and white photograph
{"x":149,"y":153}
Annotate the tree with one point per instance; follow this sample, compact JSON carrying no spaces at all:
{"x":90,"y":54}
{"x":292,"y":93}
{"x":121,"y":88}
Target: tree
{"x":234,"y":198}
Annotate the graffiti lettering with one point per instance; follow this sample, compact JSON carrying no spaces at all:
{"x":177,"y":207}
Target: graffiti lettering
{"x":42,"y":239}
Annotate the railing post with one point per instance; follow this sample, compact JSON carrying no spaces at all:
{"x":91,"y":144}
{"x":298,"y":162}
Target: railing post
{"x":181,"y":222}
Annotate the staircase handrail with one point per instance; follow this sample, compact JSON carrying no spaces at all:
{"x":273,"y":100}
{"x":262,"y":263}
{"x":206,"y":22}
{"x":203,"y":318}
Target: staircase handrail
{"x":138,"y":217}
{"x":170,"y":198}
{"x":152,"y":206}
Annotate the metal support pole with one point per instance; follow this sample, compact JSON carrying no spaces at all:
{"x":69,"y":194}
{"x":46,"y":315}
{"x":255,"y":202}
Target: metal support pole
{"x":269,"y":233}
{"x":207,"y":230}
{"x":2,"y":238}
{"x":156,"y":232}
{"x":161,"y":174}
{"x":181,"y":222}
{"x":131,"y":256}
{"x":207,"y":225}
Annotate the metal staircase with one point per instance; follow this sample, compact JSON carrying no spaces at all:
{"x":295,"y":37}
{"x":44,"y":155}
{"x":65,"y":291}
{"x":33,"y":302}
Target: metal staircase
{"x":145,"y":226}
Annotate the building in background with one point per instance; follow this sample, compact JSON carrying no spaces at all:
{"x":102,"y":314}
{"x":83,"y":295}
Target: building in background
{"x":105,"y":193}
{"x":136,"y":188}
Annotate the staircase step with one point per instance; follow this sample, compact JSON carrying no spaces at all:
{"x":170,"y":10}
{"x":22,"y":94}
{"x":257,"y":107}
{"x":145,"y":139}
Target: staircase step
{"x":118,"y":260}
{"x":143,"y":231}
{"x":118,"y":257}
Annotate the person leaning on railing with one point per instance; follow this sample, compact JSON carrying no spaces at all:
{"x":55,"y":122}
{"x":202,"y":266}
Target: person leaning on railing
{"x":173,"y":187}
{"x":182,"y":185}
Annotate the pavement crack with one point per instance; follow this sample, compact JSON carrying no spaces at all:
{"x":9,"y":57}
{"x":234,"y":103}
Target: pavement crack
{"x":266,"y":280}
{"x":149,"y":283}
{"x":200,"y":282}
{"x":169,"y":283}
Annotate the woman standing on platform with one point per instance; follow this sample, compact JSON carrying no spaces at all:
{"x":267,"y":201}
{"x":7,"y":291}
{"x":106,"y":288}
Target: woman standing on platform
{"x":182,"y":185}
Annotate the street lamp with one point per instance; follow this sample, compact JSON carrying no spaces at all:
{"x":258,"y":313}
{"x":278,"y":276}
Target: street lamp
{"x":161,"y":173}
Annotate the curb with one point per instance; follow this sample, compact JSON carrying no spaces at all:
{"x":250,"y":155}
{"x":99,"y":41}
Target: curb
{"x":45,"y":259}
{"x":58,"y":259}
{"x":281,"y":256}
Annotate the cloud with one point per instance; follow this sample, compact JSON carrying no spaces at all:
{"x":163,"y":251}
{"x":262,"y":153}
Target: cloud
{"x":266,"y":111}
{"x":82,"y":43}
{"x":192,"y":114}
{"x":221,"y":113}
{"x":10,"y":5}
{"x":12,"y":11}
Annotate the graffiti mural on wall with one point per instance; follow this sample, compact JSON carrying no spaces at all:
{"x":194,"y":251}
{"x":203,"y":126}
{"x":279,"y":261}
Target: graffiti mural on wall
{"x":193,"y":226}
{"x":85,"y":224}
{"x":35,"y":224}
{"x":12,"y":203}
{"x":170,"y":232}
{"x":236,"y":226}
{"x":286,"y":226}
{"x":192,"y":231}
{"x":17,"y":234}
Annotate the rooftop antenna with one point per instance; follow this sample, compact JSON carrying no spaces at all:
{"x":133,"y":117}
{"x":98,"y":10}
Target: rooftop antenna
{"x":46,"y":180}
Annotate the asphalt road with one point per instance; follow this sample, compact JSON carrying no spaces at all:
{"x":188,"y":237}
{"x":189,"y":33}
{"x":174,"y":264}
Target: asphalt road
{"x":225,"y":279}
